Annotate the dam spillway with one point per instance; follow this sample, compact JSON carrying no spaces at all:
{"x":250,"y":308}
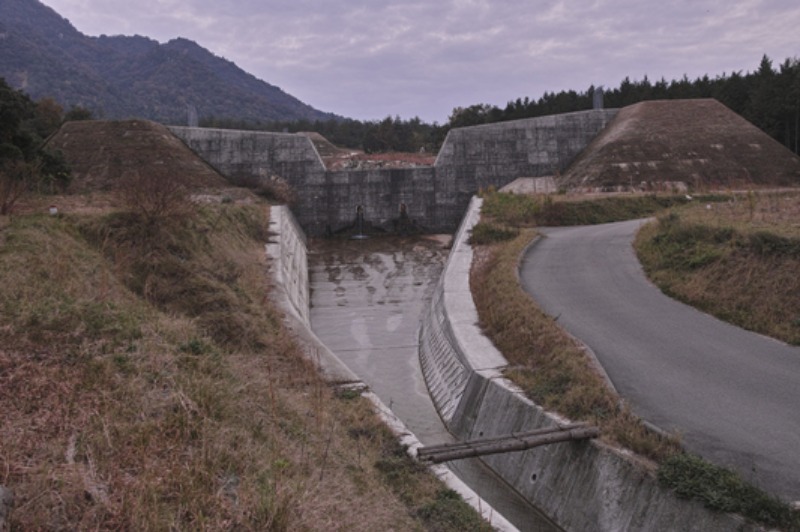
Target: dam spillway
{"x":367,"y":299}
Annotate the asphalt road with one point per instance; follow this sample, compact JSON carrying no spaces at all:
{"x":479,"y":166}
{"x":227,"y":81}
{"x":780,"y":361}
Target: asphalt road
{"x":732,"y":394}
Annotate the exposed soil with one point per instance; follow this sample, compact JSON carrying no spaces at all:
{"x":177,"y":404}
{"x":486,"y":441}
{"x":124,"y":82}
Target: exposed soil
{"x":336,"y":158}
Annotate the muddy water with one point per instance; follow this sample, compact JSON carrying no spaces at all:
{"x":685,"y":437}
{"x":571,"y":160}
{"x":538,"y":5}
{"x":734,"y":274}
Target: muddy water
{"x":367,"y":298}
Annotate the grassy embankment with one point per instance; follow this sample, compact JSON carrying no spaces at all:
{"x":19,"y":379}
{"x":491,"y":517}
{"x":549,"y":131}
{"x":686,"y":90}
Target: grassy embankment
{"x":555,"y":372}
{"x":737,"y":260}
{"x":147,"y":383}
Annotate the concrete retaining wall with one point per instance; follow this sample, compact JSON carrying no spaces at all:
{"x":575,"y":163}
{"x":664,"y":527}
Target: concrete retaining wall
{"x":331,"y":204}
{"x":242,"y":156}
{"x":580,"y":485}
{"x":435,"y":198}
{"x":289,"y":252}
{"x":496,"y":154}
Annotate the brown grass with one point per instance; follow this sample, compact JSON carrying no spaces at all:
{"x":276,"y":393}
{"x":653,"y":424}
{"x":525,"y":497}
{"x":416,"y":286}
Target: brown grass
{"x":775,"y":212}
{"x":737,"y":260}
{"x":147,"y":383}
{"x":545,"y":362}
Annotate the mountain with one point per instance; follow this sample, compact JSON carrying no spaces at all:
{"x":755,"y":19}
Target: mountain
{"x":44,"y":55}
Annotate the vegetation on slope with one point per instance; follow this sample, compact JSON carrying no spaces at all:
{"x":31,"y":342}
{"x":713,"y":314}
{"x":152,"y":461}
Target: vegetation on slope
{"x":123,"y":77}
{"x":550,"y":367}
{"x":737,"y":260}
{"x":147,"y":383}
{"x":24,"y":163}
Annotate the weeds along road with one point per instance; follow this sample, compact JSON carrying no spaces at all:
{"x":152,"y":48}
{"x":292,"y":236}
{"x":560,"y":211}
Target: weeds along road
{"x":733,"y":395}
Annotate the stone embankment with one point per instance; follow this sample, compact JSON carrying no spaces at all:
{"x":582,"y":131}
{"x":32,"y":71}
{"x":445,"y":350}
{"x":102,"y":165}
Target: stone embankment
{"x":581,"y":485}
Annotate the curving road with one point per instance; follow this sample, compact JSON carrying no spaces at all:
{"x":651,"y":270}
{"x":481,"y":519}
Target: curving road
{"x":732,"y":394}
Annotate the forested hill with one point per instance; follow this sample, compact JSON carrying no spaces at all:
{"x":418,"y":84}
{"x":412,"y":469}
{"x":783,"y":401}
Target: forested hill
{"x":42,"y":54}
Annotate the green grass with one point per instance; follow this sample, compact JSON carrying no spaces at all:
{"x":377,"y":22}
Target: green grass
{"x":545,"y":210}
{"x":720,"y":489}
{"x":488,"y":233}
{"x":437,"y":508}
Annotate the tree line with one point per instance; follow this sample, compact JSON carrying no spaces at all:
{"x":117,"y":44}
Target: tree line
{"x":769,"y":97}
{"x":379,"y":136}
{"x":25,"y":126}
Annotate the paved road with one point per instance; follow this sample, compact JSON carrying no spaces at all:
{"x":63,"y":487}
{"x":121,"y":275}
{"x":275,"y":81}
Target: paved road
{"x":732,"y":394}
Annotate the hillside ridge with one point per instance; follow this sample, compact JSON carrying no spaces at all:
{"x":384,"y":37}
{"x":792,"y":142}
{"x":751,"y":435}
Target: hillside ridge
{"x":116,"y":77}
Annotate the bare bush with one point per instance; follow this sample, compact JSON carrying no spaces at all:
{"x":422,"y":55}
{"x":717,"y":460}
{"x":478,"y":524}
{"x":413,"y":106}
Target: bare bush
{"x":15,"y":178}
{"x":155,"y":198}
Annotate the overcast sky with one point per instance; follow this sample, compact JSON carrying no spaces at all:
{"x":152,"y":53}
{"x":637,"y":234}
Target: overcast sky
{"x":368,"y":59}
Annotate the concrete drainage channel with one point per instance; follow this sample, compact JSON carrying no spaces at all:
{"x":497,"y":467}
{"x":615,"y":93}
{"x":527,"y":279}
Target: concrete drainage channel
{"x":366,"y":306}
{"x":368,"y":297}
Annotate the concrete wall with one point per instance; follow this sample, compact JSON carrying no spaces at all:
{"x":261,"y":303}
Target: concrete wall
{"x":580,"y":485}
{"x":331,"y":203}
{"x":496,"y":154}
{"x":289,"y":253}
{"x":243,"y":155}
{"x":435,"y":197}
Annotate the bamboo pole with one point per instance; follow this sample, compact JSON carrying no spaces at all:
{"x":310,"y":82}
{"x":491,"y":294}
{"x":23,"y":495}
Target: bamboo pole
{"x":512,"y":443}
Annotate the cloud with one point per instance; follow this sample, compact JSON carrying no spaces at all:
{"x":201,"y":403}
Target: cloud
{"x":369,"y":58}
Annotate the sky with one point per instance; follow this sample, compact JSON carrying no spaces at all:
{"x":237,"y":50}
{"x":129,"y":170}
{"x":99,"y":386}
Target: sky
{"x":369,"y":59}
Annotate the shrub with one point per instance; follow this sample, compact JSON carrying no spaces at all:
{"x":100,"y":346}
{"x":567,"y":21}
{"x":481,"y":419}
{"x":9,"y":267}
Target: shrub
{"x":154,"y":198}
{"x":488,"y":233}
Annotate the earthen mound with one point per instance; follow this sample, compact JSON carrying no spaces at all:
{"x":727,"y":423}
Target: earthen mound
{"x":702,"y":143}
{"x":101,"y":152}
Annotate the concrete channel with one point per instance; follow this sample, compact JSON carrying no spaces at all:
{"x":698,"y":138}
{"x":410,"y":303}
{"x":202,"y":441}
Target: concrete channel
{"x":367,"y":299}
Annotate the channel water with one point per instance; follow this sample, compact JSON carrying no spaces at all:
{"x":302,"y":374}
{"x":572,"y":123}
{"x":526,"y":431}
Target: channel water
{"x":367,"y":299}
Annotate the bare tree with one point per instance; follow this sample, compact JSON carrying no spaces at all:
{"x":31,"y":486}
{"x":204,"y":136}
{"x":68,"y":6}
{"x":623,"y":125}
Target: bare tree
{"x":16,"y":176}
{"x":155,"y":198}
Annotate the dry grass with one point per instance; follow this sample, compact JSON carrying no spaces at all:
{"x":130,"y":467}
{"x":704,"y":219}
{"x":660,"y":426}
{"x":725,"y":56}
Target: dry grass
{"x":774,"y":212}
{"x":146,"y":383}
{"x":546,"y":363}
{"x":737,"y":260}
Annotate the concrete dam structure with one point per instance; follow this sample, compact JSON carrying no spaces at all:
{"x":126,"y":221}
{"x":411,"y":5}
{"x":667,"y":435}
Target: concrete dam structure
{"x":431,"y":198}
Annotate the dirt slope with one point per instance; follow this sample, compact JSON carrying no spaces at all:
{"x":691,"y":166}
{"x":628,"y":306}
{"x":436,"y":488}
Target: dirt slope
{"x":698,"y":142}
{"x":336,"y":158}
{"x":100,"y":152}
